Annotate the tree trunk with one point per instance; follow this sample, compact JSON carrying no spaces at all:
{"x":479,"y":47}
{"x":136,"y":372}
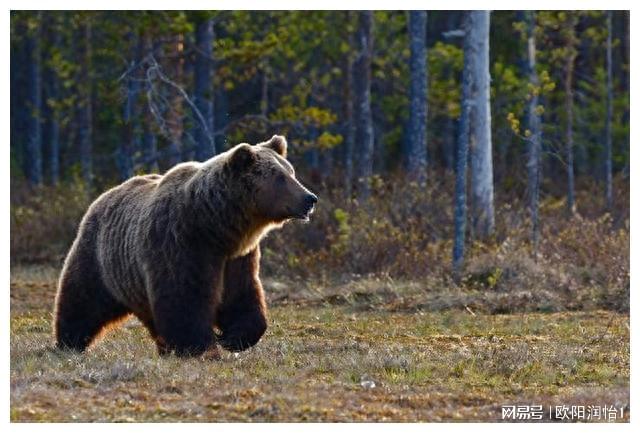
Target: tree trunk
{"x":18,"y":66}
{"x":362,"y":102}
{"x":449,"y":151}
{"x":569,"y":139}
{"x":191,"y":120}
{"x":480,"y":135}
{"x":85,"y":113}
{"x":449,"y":144}
{"x":460,"y":198}
{"x":349,"y":129}
{"x":378,"y":146}
{"x":51,"y":132}
{"x":417,"y":158}
{"x":149,"y":144}
{"x":264,"y":89}
{"x":221,"y":117}
{"x":33,"y":156}
{"x":626,"y":46}
{"x":609,"y":118}
{"x":175,"y":118}
{"x":205,"y":146}
{"x":568,"y":91}
{"x":533,"y":122}
{"x":130,"y":115}
{"x":326,"y":164}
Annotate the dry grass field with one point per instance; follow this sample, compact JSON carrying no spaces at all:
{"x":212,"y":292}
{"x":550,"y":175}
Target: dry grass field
{"x":324,"y":358}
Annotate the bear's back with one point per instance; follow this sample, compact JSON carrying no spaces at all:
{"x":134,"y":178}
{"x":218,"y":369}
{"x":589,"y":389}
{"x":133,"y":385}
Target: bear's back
{"x":178,"y":176}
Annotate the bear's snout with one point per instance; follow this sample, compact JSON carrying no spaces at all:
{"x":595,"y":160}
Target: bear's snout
{"x":308,"y":205}
{"x":310,"y":200}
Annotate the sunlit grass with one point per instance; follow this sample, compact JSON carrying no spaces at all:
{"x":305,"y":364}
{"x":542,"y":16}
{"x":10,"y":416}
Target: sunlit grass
{"x":318,"y":362}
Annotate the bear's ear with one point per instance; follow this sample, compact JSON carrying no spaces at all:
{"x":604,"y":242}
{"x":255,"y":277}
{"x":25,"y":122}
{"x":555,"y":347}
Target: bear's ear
{"x":278,"y":144}
{"x":242,"y":157}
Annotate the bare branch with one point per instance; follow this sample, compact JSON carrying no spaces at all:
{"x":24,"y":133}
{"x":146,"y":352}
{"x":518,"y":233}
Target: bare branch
{"x":155,"y":67}
{"x":457,"y":33}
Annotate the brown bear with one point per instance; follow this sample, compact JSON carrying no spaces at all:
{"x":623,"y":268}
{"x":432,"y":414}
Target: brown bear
{"x":181,"y":252}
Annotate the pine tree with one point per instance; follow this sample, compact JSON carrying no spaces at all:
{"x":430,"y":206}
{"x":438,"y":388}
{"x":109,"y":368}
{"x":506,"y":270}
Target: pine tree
{"x":417,"y":152}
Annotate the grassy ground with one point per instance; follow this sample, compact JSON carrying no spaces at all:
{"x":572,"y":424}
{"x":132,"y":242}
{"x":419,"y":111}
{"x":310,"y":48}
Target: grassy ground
{"x":331,"y":359}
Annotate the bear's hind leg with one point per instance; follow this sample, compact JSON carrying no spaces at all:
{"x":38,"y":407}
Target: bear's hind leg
{"x":83,"y":309}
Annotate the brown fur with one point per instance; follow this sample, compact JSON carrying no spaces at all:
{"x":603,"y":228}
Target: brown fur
{"x":181,"y":252}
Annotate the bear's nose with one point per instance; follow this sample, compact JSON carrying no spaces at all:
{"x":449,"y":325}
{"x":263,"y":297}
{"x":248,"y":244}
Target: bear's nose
{"x":311,"y":199}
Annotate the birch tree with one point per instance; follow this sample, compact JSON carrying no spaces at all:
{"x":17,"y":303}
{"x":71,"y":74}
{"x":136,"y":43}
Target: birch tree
{"x":480,"y":132}
{"x":533,"y":123}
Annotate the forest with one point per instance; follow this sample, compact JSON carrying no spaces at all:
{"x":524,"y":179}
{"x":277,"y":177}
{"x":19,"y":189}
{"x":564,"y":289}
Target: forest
{"x":472,"y":163}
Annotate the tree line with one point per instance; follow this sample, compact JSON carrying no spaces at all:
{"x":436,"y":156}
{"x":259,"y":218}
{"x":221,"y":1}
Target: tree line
{"x":99,"y":96}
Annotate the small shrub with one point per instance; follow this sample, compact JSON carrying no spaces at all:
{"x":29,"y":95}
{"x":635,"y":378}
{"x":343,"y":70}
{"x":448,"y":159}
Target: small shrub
{"x":44,"y":221}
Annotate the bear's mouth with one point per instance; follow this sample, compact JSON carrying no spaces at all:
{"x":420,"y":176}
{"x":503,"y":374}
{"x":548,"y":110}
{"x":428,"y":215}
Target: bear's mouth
{"x":305,"y":215}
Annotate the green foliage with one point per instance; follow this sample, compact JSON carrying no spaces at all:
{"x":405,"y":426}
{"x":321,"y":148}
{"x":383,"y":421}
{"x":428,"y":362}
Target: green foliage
{"x":300,"y":58}
{"x":557,"y":37}
{"x":344,"y":231}
{"x":390,"y":78}
{"x":445,"y":67}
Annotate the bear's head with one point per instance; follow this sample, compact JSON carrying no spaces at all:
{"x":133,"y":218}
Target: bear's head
{"x":270,"y":180}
